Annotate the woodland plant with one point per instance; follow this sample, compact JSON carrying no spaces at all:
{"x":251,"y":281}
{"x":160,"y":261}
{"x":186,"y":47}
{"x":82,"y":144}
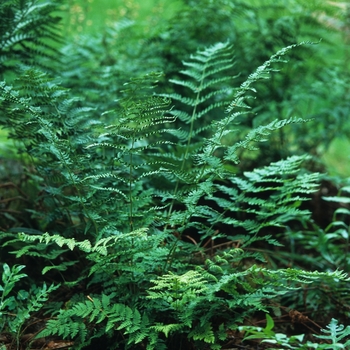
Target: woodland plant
{"x":28,"y":35}
{"x":336,"y":336}
{"x":16,"y":308}
{"x":316,"y":77}
{"x":139,"y":209}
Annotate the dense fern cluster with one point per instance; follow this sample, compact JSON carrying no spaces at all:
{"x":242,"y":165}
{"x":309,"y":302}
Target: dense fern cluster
{"x":28,"y":34}
{"x":138,"y":206}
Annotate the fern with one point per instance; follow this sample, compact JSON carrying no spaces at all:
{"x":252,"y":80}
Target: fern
{"x":29,"y":34}
{"x":334,"y":333}
{"x":226,"y":126}
{"x":114,"y":316}
{"x":331,"y":241}
{"x":272,"y":194}
{"x":134,"y":151}
{"x":201,"y":164}
{"x":140,"y":200}
{"x":178,"y":291}
{"x":53,"y":145}
{"x":103,"y":247}
{"x":16,"y":309}
{"x":123,"y":189}
{"x":185,"y":298}
{"x":203,"y":71}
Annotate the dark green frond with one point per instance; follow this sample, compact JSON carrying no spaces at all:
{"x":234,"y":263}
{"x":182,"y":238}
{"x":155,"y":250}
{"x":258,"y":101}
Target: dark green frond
{"x":28,"y":34}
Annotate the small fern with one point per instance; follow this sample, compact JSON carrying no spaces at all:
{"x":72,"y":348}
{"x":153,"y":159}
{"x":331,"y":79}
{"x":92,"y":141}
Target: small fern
{"x":334,"y":335}
{"x":178,"y":291}
{"x":337,"y":334}
{"x":16,"y":309}
{"x":119,"y":317}
{"x":103,"y":247}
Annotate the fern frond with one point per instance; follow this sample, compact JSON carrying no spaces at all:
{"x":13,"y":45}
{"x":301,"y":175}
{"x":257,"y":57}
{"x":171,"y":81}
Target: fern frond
{"x":100,"y":246}
{"x":262,"y":72}
{"x":336,"y":333}
{"x":167,"y":328}
{"x":203,"y":332}
{"x":98,"y":310}
{"x":282,"y":186}
{"x":28,"y":34}
{"x":67,"y":329}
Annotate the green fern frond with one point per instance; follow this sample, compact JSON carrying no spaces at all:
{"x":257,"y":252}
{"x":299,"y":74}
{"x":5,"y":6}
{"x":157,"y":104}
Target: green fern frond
{"x":225,"y":125}
{"x":100,"y":246}
{"x":203,"y":332}
{"x":98,"y":310}
{"x":63,"y":266}
{"x":262,"y":72}
{"x":68,"y":329}
{"x":203,"y":68}
{"x":28,"y":34}
{"x":71,"y":243}
{"x":167,"y":328}
{"x":336,"y":333}
{"x":271,"y":193}
{"x":13,"y":313}
{"x":136,"y":141}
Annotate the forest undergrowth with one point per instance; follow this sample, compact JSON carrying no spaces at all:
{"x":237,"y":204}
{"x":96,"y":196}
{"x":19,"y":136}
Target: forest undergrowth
{"x":162,"y":186}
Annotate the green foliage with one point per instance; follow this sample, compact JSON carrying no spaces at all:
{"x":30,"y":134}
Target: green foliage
{"x":187,"y":295}
{"x":140,"y":196}
{"x":69,"y":323}
{"x":336,"y":336}
{"x":17,"y":306}
{"x":28,"y":33}
{"x":330,"y":242}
